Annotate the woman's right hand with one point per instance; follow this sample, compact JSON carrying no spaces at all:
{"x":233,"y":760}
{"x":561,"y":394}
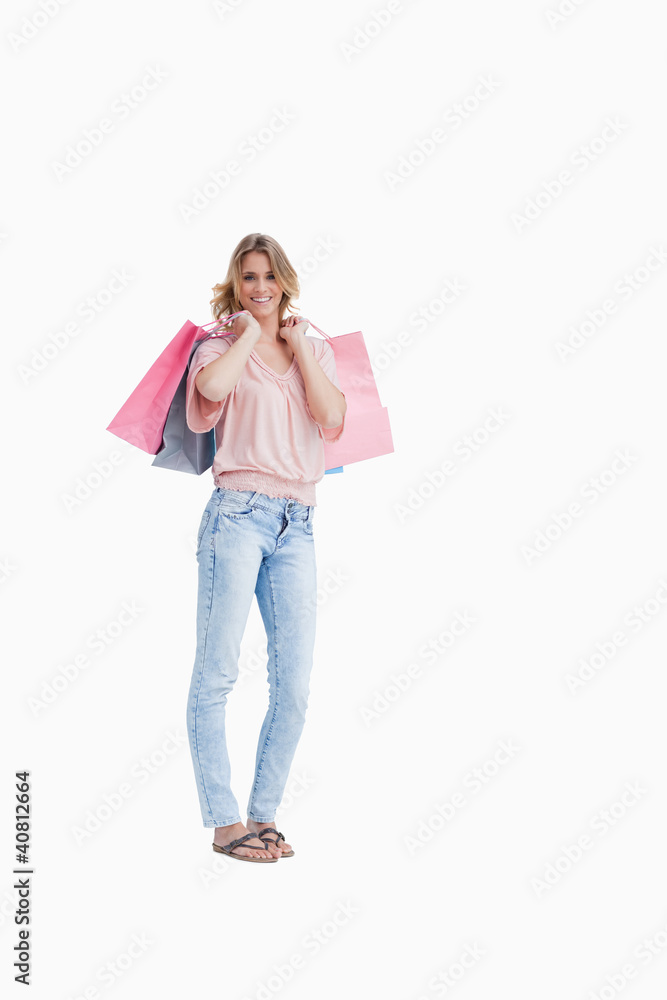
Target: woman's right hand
{"x":246,"y":321}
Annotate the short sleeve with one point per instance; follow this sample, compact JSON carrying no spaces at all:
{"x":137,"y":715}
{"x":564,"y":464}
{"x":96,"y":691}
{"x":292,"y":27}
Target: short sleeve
{"x":327,"y":363}
{"x":201,"y":413}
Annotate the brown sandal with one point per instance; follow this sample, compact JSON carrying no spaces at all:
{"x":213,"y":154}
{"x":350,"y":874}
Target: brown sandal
{"x":270,"y":840}
{"x":228,"y":848}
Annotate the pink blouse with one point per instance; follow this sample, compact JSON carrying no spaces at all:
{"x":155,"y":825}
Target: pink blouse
{"x":266,"y":436}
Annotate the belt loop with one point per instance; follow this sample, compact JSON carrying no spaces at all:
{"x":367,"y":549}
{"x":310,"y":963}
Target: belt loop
{"x":310,"y":514}
{"x":253,"y":498}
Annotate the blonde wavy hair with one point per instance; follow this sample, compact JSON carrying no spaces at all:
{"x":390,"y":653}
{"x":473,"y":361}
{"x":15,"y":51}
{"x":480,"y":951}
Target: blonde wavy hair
{"x":226,"y":294}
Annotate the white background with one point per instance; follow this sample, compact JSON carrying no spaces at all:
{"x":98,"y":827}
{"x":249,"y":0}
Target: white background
{"x":398,"y":892}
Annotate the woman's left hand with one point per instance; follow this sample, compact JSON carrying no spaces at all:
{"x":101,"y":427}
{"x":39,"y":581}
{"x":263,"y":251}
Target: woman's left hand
{"x":293,"y":328}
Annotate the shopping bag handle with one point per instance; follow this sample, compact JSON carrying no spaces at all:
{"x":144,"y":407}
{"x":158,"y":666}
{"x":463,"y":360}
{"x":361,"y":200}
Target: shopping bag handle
{"x":212,"y":333}
{"x":326,"y":336}
{"x":221,"y":322}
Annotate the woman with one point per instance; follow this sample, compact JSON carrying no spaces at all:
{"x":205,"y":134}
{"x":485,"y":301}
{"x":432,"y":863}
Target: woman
{"x":273,"y":396}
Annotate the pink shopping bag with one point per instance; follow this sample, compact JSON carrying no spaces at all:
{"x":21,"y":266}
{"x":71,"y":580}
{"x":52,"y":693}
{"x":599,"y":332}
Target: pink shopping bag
{"x":141,"y":419}
{"x":367,"y":432}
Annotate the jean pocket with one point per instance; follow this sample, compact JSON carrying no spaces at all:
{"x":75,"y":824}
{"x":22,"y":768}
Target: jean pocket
{"x":234,"y":504}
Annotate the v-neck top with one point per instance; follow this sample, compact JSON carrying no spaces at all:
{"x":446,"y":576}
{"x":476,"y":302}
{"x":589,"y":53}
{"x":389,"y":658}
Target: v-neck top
{"x":287,"y":374}
{"x":266,"y":437}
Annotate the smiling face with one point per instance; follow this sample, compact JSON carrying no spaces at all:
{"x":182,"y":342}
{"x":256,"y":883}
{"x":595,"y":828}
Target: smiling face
{"x":260,"y":292}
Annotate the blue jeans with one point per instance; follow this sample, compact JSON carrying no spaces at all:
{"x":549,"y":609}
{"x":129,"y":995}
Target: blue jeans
{"x":249,"y":543}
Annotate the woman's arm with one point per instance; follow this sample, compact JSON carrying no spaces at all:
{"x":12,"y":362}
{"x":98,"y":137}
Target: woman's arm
{"x":217,"y":379}
{"x":326,"y":403}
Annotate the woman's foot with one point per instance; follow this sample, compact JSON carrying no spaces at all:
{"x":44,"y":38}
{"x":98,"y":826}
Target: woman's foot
{"x":276,"y":851}
{"x":251,"y":849}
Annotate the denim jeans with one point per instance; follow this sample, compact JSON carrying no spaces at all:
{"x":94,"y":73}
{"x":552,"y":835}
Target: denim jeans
{"x":249,"y":543}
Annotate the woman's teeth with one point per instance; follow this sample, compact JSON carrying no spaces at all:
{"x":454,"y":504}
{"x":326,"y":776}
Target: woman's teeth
{"x":267,"y":298}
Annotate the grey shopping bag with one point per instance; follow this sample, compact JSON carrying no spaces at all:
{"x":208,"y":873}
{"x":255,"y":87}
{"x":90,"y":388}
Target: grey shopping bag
{"x":182,"y":449}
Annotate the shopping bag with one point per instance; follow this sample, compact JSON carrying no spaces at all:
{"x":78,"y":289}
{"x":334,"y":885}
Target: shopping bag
{"x":142,"y":417}
{"x":367,"y":432}
{"x":184,"y":450}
